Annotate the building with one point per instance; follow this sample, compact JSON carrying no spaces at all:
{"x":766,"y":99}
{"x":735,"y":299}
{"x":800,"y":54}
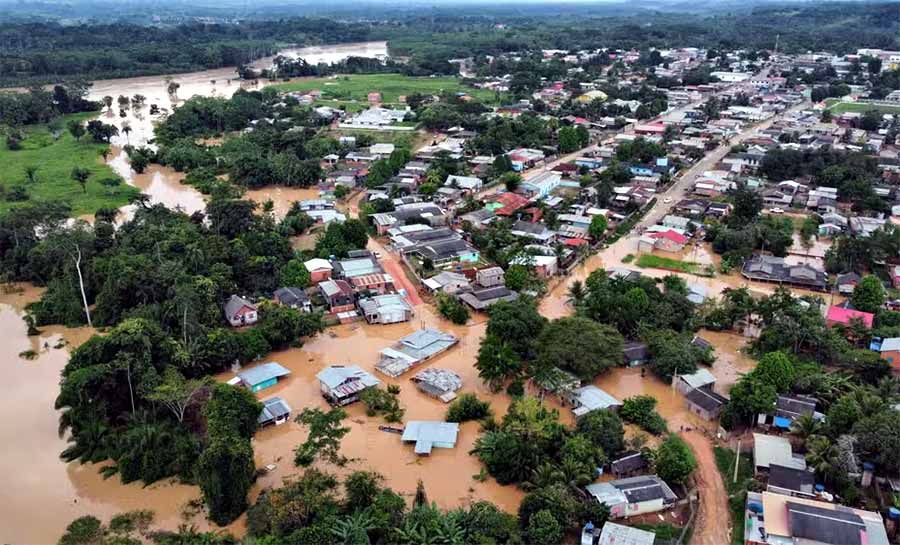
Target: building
{"x":240,"y":312}
{"x":590,"y":398}
{"x":295,"y":298}
{"x":889,"y":350}
{"x":842,"y":316}
{"x":375,"y":283}
{"x":702,"y":378}
{"x":791,"y":481}
{"x":628,"y":464}
{"x":414,"y":349}
{"x":262,"y":376}
{"x":343,"y":385}
{"x":705,"y":403}
{"x":489,"y":277}
{"x":765,"y":268}
{"x":791,"y":407}
{"x":361,"y":265}
{"x":386,"y":309}
{"x":635,"y":353}
{"x":617,"y":534}
{"x":438,"y":383}
{"x":775,"y":519}
{"x":633,"y":496}
{"x":275,"y":411}
{"x":482,"y":298}
{"x":468,"y":184}
{"x":446,"y":282}
{"x":338,"y":295}
{"x":771,"y":449}
{"x":319,"y":269}
{"x":428,"y":435}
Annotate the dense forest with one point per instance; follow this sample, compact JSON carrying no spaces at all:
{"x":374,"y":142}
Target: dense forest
{"x":41,"y":52}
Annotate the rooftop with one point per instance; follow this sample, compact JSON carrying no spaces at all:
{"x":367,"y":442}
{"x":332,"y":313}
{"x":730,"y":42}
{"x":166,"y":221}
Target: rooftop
{"x":336,"y":375}
{"x":413,"y":349}
{"x":618,"y":534}
{"x":702,"y":377}
{"x":771,"y":449}
{"x":429,"y":434}
{"x":590,"y":398}
{"x":263,"y":372}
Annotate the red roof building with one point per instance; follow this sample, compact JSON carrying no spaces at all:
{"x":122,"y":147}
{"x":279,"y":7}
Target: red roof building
{"x":511,"y":202}
{"x":677,"y":238}
{"x":842,"y":316}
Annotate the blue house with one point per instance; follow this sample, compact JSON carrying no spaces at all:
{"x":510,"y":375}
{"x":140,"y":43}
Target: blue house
{"x":262,"y":376}
{"x":589,"y":162}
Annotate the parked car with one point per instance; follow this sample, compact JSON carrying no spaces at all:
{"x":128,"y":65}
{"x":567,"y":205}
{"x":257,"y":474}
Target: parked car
{"x":776,"y":210}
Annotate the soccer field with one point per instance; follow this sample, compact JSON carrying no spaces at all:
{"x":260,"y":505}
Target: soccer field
{"x":391,"y":87}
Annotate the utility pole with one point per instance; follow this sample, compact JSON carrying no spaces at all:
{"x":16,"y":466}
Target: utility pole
{"x":737,"y":459}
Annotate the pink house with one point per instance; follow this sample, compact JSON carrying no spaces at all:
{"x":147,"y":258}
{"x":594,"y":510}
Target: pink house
{"x":374,"y":97}
{"x":319,"y":270}
{"x":842,"y":316}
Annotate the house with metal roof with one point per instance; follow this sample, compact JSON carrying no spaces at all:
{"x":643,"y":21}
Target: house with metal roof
{"x":319,"y":269}
{"x":414,"y":349}
{"x":262,"y":376}
{"x":628,"y":464}
{"x":617,"y":534}
{"x":635,"y":353}
{"x":446,"y":282}
{"x":701,"y":378}
{"x":295,"y":298}
{"x":338,"y":294}
{"x":391,"y":308}
{"x":633,"y":496}
{"x":342,"y":385}
{"x":775,"y":519}
{"x":766,"y":268}
{"x":705,"y":403}
{"x":240,"y":312}
{"x":352,"y":267}
{"x":275,"y":411}
{"x":480,"y":299}
{"x":438,"y":383}
{"x":590,"y":398}
{"x":771,"y":449}
{"x":429,"y":434}
{"x":791,"y":481}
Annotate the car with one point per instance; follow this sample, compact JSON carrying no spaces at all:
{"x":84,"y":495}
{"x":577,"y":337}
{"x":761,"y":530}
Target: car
{"x":667,"y":200}
{"x":776,"y":210}
{"x":377,"y":254}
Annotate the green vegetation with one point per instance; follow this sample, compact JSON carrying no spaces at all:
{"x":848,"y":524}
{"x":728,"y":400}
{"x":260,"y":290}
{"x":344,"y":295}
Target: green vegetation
{"x":641,"y":411}
{"x":55,"y":156}
{"x":837,"y":107}
{"x":737,"y":490}
{"x":468,"y":407}
{"x":651,"y":261}
{"x":391,"y":87}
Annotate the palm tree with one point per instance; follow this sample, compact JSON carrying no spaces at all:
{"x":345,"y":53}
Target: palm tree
{"x":577,"y":293}
{"x":543,"y":476}
{"x":126,"y":128}
{"x":81,"y":176}
{"x":821,"y":454}
{"x":805,"y":427}
{"x":108,"y":100}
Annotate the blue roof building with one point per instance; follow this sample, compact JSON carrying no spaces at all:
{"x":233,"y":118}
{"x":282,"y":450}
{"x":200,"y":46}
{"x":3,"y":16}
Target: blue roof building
{"x":427,"y":435}
{"x":262,"y":376}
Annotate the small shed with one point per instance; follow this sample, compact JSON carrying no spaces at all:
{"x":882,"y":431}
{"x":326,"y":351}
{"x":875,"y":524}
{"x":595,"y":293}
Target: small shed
{"x":701,"y":378}
{"x":429,"y":434}
{"x":630,"y":463}
{"x":263,"y":376}
{"x":275,"y":411}
{"x":705,"y":403}
{"x":343,"y":385}
{"x":590,"y":398}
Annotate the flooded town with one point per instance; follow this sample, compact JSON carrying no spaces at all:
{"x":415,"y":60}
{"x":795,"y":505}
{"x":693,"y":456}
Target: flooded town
{"x":336,"y":285}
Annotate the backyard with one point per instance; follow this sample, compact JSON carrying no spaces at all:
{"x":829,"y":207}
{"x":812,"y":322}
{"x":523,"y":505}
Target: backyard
{"x":391,"y":86}
{"x":54,"y":159}
{"x":651,"y":261}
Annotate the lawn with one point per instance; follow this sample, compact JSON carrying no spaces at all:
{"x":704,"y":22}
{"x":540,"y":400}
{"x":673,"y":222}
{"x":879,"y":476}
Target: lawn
{"x":650,"y":261}
{"x":861,"y":107}
{"x":55,"y":159}
{"x":737,"y":490}
{"x":391,"y":87}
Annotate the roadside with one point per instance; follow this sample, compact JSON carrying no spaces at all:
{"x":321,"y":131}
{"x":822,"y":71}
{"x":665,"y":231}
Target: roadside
{"x":713,"y":522}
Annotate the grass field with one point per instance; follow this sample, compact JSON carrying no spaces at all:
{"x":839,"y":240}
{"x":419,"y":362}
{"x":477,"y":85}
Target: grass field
{"x":650,"y":261}
{"x":391,"y":87}
{"x":55,"y":159}
{"x":861,"y":107}
{"x":737,"y":490}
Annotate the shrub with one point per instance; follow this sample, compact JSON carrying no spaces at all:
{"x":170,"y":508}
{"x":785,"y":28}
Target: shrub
{"x":468,"y":407}
{"x":641,"y":410}
{"x":378,"y":401}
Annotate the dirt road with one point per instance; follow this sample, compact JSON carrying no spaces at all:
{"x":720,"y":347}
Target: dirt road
{"x":712,"y":524}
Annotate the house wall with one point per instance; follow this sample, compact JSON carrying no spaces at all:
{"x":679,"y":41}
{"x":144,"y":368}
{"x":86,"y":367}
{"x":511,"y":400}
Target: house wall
{"x":667,"y":245}
{"x":263,"y":385}
{"x":893,"y":358}
{"x":318,"y":276}
{"x":651,"y":506}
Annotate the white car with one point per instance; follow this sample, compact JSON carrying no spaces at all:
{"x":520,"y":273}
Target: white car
{"x":776,"y":210}
{"x":377,"y":254}
{"x":667,"y":200}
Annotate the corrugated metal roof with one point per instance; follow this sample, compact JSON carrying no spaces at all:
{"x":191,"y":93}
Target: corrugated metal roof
{"x":702,"y":377}
{"x":428,"y":434}
{"x":262,"y":373}
{"x":334,"y":376}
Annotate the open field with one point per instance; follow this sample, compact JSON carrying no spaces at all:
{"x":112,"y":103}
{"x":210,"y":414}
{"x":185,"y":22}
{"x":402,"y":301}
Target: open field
{"x":55,"y":159}
{"x":838,"y":107}
{"x":650,"y":261}
{"x":391,"y":87}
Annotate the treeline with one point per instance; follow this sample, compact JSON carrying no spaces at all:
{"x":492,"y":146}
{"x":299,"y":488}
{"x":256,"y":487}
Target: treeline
{"x":41,"y":106}
{"x":139,"y":394}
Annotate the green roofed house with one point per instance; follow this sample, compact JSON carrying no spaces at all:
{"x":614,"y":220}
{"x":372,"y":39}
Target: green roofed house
{"x":427,"y":435}
{"x":262,"y":376}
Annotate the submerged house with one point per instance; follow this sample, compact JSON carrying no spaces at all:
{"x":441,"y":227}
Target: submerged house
{"x":240,"y":312}
{"x":343,"y":385}
{"x":428,"y":435}
{"x":262,"y":376}
{"x":438,"y":383}
{"x":275,"y":411}
{"x":412,"y":350}
{"x":590,"y":398}
{"x":633,"y":496}
{"x":386,"y":309}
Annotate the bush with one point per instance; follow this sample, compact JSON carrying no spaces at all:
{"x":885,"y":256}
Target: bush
{"x":468,"y":407}
{"x":641,"y":410}
{"x":378,"y":401}
{"x":452,"y":308}
{"x":674,"y":460}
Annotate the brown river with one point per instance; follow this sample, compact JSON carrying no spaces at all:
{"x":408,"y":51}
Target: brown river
{"x":42,"y":494}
